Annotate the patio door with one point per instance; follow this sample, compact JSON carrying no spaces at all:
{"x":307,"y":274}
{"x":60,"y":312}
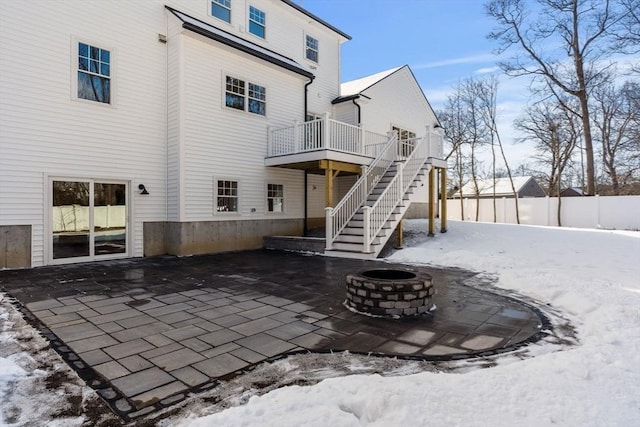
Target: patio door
{"x":89,"y":220}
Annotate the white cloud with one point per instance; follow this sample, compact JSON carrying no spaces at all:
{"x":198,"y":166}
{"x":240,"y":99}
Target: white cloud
{"x":471,"y":59}
{"x":487,"y":70}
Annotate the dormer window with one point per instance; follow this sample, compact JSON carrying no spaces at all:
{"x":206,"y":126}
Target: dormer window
{"x":257,"y":22}
{"x":221,"y":9}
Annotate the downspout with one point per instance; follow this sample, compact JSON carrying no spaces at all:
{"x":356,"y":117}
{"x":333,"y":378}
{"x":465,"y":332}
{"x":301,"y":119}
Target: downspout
{"x":305,"y":229}
{"x":306,"y":96}
{"x":359,"y":111}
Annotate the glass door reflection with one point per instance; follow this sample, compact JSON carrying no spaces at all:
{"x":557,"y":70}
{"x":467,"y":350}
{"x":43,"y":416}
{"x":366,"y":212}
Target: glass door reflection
{"x":109,"y":218}
{"x":71,"y":219}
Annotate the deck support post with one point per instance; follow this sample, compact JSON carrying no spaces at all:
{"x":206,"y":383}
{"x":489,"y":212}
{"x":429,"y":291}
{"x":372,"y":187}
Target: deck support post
{"x":328,"y":235}
{"x":443,"y":200}
{"x":432,"y":201}
{"x":399,"y":240}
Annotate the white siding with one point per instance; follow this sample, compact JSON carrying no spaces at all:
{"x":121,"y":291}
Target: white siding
{"x":167,"y":127}
{"x":221,"y":142}
{"x":346,"y":112}
{"x":397,"y":101}
{"x":45,"y":132}
{"x":316,"y":196}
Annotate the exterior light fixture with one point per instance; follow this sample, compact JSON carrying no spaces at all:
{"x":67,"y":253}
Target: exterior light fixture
{"x":142,"y":189}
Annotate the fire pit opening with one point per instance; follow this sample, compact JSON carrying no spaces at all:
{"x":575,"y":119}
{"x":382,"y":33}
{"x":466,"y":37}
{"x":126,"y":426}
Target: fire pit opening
{"x":388,"y":274}
{"x":389,"y":292}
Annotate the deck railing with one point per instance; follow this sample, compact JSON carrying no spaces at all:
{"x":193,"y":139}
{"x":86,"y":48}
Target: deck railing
{"x":410,"y":157}
{"x":338,"y":217}
{"x":324,"y":134}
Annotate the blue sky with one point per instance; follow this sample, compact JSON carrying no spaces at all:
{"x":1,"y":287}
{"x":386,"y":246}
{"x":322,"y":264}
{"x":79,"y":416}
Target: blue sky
{"x":443,"y":41}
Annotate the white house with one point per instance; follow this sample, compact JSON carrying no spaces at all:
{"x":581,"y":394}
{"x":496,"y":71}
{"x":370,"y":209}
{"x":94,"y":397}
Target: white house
{"x":194,"y":126}
{"x":525,"y":186}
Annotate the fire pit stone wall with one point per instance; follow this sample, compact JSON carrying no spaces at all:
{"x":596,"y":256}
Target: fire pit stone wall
{"x":386,"y":292}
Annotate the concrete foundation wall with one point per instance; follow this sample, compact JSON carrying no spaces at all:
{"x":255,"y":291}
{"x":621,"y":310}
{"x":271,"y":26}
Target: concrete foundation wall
{"x":300,"y":244}
{"x":417,"y":210}
{"x":205,"y":237}
{"x":15,"y":246}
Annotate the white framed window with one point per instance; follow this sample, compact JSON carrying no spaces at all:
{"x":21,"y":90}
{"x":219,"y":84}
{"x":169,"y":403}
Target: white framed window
{"x":407,"y":141}
{"x":245,"y":96}
{"x":257,"y":22}
{"x":275,"y":198}
{"x":221,"y":9}
{"x":226,"y":196}
{"x":311,"y":48}
{"x":403,"y":134}
{"x":93,"y":73}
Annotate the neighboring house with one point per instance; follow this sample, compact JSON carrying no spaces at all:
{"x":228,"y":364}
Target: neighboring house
{"x":525,"y":186}
{"x":184,"y":127}
{"x":572,"y":192}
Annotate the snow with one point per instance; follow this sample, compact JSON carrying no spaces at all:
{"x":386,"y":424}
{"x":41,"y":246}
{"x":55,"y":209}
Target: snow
{"x":587,"y":373}
{"x":593,"y":276}
{"x":355,"y":87}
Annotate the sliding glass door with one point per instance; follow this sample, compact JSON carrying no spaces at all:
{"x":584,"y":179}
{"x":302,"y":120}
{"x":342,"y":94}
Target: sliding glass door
{"x":89,"y":220}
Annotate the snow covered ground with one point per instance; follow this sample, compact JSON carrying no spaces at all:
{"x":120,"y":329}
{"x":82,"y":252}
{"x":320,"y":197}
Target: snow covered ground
{"x":591,"y":277}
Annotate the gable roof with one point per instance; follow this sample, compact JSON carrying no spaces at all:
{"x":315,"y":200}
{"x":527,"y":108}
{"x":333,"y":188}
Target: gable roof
{"x":503,"y":186}
{"x":214,"y":33}
{"x":356,"y":87}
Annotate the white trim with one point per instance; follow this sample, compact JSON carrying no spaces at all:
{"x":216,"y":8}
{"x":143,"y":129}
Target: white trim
{"x":48,"y":219}
{"x":248,"y":22}
{"x":304,"y":49}
{"x":285,"y":204}
{"x":214,"y":207}
{"x":75,"y":40}
{"x":247,"y":82}
{"x":210,"y":13}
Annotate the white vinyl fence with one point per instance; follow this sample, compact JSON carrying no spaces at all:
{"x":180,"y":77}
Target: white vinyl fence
{"x":610,"y":212}
{"x":73,"y":218}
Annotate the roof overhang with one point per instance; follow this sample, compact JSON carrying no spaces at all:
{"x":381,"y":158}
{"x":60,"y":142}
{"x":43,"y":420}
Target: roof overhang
{"x":340,"y":99}
{"x":315,"y":18}
{"x":207,"y":30}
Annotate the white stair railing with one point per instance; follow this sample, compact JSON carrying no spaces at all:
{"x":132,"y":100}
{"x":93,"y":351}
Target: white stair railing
{"x":383,"y":208}
{"x":338,"y":217}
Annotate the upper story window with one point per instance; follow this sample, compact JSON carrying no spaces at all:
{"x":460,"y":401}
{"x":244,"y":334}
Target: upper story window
{"x":94,"y":73}
{"x":221,"y":9}
{"x":311,"y":49}
{"x":257,"y":99}
{"x":257,"y":22}
{"x":245,"y":96}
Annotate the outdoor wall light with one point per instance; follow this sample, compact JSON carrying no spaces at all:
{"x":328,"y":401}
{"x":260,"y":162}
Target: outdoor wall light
{"x":142,"y":189}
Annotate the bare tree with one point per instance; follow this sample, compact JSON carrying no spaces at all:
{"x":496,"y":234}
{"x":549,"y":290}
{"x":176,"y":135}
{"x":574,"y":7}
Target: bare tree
{"x":454,"y":135}
{"x":627,"y":40}
{"x":455,"y":119}
{"x":617,"y":121}
{"x":555,"y":133}
{"x":545,"y":35}
{"x":487,"y":94}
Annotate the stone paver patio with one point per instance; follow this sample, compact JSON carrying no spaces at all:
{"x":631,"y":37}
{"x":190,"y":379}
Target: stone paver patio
{"x":146,"y":332}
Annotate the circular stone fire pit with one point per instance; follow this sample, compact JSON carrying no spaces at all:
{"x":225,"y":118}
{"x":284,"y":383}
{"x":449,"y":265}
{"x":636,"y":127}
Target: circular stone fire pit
{"x":389,"y":292}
